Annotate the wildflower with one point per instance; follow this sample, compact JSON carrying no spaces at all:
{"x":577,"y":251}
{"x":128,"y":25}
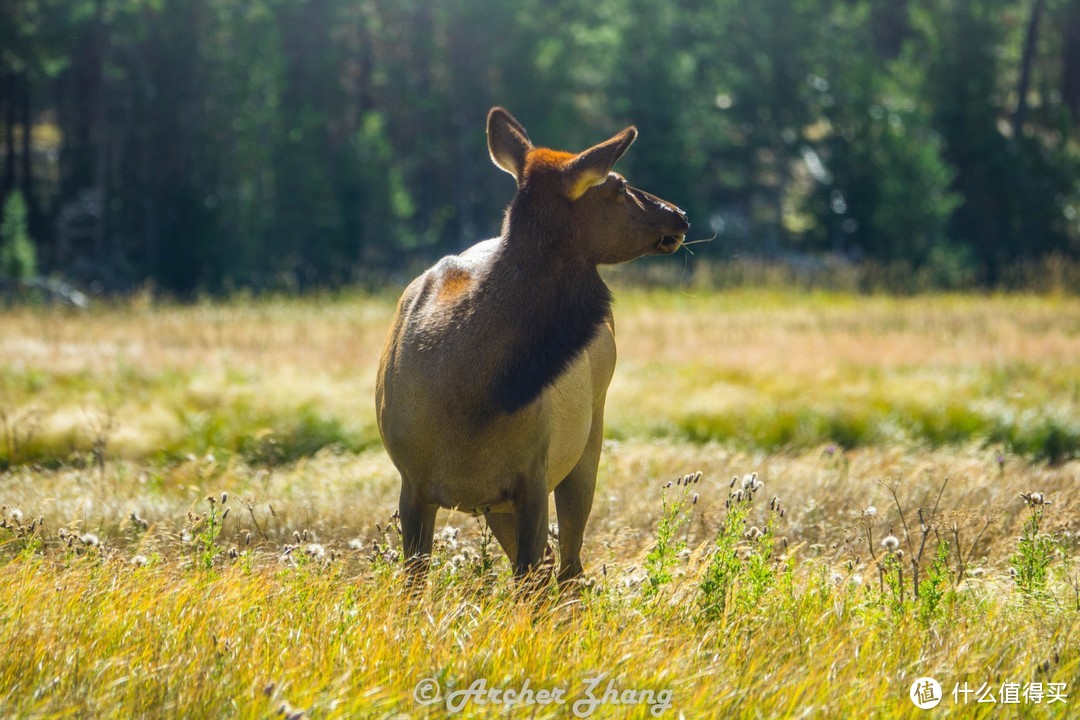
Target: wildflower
{"x":234,"y":553}
{"x":247,"y":537}
{"x":870,"y":511}
{"x":224,"y":498}
{"x":316,"y":551}
{"x":749,"y":481}
{"x":356,"y":544}
{"x":890,"y":543}
{"x":1034,"y":499}
{"x":89,"y":539}
{"x":690,"y":479}
{"x":139,"y":560}
{"x":15,"y":514}
{"x":753,"y":533}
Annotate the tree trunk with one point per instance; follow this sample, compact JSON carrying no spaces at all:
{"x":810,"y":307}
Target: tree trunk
{"x":27,"y":122}
{"x":889,"y":25}
{"x":1070,"y":61}
{"x":99,"y":113}
{"x":1026,"y":61}
{"x":7,"y":100}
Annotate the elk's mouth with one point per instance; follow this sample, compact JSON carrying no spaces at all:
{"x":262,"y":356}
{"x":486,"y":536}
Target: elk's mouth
{"x":669,"y":243}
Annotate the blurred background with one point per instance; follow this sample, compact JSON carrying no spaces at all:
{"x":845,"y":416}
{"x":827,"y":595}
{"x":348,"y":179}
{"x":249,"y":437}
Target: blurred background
{"x":209,"y":145}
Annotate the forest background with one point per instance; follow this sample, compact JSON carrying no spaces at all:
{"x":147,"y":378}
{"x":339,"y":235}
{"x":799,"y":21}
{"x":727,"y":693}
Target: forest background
{"x":208,"y":145}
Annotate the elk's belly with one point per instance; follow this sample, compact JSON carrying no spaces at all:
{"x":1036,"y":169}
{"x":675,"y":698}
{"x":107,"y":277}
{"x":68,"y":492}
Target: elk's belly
{"x":460,"y":466}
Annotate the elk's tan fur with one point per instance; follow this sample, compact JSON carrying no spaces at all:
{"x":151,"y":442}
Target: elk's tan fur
{"x":492,"y":383}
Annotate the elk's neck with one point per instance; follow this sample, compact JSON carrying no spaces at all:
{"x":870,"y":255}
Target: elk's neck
{"x":549,"y":307}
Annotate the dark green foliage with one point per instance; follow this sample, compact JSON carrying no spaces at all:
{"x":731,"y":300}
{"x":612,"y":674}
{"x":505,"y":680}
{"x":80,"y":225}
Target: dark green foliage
{"x":280,"y":144}
{"x":18,"y":257}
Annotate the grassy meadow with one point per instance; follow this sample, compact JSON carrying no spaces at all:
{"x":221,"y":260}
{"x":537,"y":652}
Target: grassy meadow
{"x":807,"y":501}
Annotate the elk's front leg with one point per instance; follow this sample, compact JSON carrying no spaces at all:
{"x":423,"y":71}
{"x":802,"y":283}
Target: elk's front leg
{"x":573,"y":503}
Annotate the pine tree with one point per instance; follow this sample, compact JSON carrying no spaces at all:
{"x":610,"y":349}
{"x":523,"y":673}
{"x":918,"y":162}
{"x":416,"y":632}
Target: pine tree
{"x":18,"y":257}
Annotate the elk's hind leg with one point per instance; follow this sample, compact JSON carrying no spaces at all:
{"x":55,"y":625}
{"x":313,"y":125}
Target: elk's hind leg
{"x":504,"y":529}
{"x":531,"y":521}
{"x":417,"y":530}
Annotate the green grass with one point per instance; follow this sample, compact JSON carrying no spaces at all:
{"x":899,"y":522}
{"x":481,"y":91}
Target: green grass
{"x":129,"y":594}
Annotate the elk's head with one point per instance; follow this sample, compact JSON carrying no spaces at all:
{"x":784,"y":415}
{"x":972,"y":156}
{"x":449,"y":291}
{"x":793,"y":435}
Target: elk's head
{"x":610,"y":221}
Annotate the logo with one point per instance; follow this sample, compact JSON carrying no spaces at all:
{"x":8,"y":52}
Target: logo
{"x":925,"y":693}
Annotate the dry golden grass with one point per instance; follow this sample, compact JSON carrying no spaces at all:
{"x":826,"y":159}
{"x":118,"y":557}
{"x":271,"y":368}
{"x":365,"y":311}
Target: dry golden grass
{"x":123,"y":600}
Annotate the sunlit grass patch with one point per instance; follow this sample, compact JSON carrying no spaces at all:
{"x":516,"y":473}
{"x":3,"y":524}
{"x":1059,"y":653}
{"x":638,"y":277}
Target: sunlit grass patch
{"x":744,"y":623}
{"x":277,"y":379}
{"x":130,"y":593}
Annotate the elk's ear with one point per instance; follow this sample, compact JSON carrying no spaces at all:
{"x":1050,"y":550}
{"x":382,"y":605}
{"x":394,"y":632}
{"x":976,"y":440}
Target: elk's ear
{"x":592,"y":166}
{"x":508,"y":142}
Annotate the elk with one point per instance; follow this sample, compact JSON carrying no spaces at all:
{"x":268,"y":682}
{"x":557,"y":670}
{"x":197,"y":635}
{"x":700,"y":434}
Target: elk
{"x":492,"y":382}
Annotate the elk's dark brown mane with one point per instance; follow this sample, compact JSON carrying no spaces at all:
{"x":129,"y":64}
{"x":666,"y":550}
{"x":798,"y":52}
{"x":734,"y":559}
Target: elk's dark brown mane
{"x":551,"y":302}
